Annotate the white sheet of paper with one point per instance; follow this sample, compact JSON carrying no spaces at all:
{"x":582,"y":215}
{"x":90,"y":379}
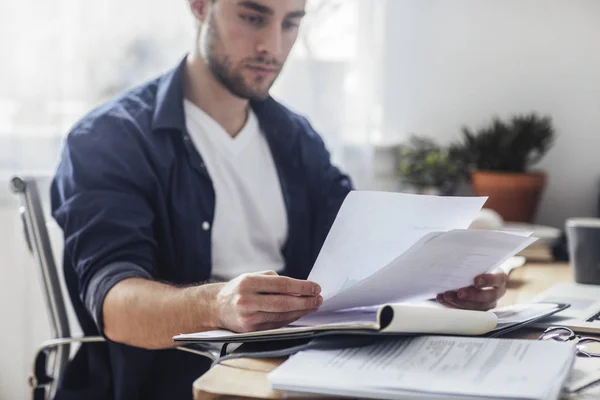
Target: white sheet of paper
{"x":499,"y":368}
{"x":512,"y":263}
{"x":586,"y":371}
{"x":373,"y":228}
{"x":437,"y":263}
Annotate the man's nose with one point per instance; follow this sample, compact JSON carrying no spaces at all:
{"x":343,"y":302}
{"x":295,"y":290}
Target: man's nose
{"x":270,"y":41}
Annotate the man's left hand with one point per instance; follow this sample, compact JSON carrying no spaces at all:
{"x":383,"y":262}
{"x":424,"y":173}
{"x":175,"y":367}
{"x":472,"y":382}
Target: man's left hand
{"x":487,"y":289}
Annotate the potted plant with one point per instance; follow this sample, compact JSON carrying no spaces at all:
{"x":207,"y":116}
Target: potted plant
{"x":500,"y":156}
{"x":429,"y":168}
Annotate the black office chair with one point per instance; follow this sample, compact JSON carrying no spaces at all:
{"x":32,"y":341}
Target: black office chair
{"x":53,"y":355}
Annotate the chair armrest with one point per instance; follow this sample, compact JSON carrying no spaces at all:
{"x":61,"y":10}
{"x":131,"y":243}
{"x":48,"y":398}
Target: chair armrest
{"x":39,"y":376}
{"x":39,"y":363}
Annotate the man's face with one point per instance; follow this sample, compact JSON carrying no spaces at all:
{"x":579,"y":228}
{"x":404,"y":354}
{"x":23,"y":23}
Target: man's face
{"x":246,"y":42}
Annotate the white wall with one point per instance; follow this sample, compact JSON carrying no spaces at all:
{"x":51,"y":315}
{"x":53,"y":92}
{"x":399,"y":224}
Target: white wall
{"x":449,"y":63}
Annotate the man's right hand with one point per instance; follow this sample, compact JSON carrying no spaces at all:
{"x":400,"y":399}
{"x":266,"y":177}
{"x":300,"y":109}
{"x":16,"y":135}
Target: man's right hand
{"x":264,"y":300}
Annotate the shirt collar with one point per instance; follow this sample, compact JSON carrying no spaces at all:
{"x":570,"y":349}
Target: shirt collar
{"x":168,"y":113}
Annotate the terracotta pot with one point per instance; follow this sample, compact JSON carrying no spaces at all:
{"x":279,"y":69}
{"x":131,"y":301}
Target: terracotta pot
{"x":514,"y":196}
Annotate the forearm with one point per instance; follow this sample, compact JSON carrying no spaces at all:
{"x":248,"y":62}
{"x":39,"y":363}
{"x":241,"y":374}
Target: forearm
{"x":147,"y":314}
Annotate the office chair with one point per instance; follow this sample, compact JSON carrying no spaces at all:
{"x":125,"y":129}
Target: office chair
{"x":53,"y":355}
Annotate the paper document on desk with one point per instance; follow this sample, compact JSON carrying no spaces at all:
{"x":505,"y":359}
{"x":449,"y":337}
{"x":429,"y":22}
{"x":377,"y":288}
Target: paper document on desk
{"x":585,"y":373}
{"x":432,"y":367}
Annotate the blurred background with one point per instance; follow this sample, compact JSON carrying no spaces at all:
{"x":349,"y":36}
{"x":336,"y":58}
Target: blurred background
{"x":404,"y":93}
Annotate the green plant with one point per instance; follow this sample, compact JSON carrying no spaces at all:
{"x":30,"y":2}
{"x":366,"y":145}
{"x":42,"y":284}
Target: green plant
{"x":512,"y":146}
{"x":424,"y":164}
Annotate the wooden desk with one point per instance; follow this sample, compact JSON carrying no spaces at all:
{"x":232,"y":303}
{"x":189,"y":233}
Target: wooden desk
{"x":247,"y":378}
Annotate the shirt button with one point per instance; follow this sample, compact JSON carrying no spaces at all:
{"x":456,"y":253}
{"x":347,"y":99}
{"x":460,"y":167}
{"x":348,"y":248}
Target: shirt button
{"x":206,"y":225}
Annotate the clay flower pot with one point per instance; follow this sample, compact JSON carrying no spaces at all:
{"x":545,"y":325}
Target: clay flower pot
{"x":515,"y":196}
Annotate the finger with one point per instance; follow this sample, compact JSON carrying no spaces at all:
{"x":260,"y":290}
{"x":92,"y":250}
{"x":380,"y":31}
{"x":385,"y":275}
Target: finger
{"x":481,"y":295}
{"x":440,"y":299}
{"x":283,"y":304}
{"x":270,"y":272}
{"x":279,"y":284}
{"x":491,"y":280}
{"x":451,"y":297}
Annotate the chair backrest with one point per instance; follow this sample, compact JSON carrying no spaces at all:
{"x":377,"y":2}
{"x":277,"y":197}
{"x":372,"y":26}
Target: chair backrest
{"x":38,"y":241}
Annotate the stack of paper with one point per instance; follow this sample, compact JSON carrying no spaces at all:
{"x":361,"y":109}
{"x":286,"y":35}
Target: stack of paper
{"x":432,"y":367}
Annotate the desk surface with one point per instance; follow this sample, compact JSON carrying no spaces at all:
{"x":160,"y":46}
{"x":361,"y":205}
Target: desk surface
{"x":247,"y":378}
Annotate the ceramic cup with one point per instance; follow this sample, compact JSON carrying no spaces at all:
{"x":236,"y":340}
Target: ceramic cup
{"x":583,"y":238}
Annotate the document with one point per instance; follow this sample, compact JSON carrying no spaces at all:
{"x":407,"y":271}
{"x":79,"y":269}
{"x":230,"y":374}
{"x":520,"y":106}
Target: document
{"x":373,"y":228}
{"x":436,"y":263}
{"x":430,"y":366}
{"x":585,"y":373}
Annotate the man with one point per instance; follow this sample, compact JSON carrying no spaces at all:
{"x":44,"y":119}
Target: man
{"x":198,"y":175}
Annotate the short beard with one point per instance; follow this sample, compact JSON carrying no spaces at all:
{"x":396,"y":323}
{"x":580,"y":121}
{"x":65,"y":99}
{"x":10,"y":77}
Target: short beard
{"x":223,"y":70}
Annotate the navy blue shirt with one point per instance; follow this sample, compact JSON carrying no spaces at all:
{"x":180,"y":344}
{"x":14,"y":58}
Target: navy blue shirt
{"x":131,"y":194}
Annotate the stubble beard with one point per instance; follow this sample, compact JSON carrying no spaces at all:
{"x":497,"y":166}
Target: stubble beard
{"x":231,"y":77}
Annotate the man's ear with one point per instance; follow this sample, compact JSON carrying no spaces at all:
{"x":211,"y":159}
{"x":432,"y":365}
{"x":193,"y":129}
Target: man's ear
{"x":200,"y":9}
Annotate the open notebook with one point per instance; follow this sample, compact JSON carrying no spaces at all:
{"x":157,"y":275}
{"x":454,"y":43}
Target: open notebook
{"x":393,"y":319}
{"x":388,"y":249}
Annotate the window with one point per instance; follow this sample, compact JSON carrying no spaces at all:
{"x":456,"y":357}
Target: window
{"x":333,"y":78}
{"x":62,"y":57}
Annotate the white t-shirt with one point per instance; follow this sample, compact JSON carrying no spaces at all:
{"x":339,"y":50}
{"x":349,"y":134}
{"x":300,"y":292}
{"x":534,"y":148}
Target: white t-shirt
{"x":250,"y":223}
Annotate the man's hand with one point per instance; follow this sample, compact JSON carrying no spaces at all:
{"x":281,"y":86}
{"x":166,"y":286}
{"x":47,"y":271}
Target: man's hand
{"x":483,"y":295}
{"x":265,"y":300}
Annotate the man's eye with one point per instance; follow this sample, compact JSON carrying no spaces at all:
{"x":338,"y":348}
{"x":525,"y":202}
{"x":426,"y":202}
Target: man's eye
{"x":289,"y":25}
{"x":254,"y":20}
